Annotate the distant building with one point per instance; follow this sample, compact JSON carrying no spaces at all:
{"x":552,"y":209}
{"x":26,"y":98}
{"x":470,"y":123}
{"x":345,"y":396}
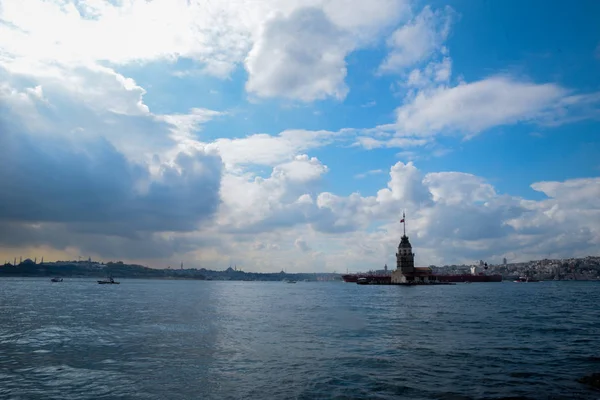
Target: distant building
{"x":504,"y":261}
{"x":383,"y":272}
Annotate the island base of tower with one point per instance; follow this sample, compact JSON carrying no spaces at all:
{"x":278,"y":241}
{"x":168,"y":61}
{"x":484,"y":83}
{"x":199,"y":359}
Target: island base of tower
{"x":409,"y":283}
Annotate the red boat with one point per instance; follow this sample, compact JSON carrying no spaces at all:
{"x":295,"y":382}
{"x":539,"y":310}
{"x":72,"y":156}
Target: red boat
{"x":382,"y":279}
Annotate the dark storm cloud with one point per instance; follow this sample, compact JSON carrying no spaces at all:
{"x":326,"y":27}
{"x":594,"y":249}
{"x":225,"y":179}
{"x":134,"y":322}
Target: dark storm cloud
{"x":93,"y":188}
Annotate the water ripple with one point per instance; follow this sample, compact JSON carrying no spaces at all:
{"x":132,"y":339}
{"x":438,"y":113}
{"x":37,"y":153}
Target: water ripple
{"x":254,"y":340}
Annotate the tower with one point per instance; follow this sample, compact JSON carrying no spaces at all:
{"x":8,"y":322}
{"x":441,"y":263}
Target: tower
{"x":405,"y":258}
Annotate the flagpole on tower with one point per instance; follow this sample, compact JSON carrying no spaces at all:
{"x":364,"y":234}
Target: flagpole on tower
{"x":403,"y":221}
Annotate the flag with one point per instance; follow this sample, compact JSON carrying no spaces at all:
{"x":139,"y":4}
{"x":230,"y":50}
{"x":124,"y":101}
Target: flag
{"x":402,"y":220}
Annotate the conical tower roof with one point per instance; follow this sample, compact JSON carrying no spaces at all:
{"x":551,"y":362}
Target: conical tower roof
{"x":404,"y":243}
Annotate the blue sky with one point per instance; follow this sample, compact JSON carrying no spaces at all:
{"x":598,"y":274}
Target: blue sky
{"x":538,"y":41}
{"x":292,"y":134}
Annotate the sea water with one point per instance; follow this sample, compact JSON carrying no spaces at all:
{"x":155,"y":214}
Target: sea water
{"x":159,"y":339}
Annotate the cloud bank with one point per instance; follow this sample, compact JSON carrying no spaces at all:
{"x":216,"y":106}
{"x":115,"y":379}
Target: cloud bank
{"x":91,"y":169}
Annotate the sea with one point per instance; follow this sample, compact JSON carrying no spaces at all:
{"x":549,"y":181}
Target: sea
{"x":174,"y":339}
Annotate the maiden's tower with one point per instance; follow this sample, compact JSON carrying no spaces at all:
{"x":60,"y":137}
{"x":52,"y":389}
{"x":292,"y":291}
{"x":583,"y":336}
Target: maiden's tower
{"x":406,"y":272}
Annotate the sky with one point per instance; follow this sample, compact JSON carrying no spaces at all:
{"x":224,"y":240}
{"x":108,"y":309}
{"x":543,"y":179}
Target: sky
{"x":293,"y":134}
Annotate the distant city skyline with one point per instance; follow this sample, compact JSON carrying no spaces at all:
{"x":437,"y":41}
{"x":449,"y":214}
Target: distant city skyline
{"x":293,"y":135}
{"x":587,"y":268}
{"x":378,"y":269}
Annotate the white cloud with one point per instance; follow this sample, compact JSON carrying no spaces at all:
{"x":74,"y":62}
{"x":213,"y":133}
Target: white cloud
{"x":576,"y":192}
{"x":302,"y":245}
{"x":37,"y":93}
{"x":370,"y":143}
{"x":433,"y":73}
{"x":369,"y":104}
{"x":418,"y":40}
{"x":470,"y":108}
{"x":301,"y":55}
{"x":164,"y":29}
{"x":275,"y":201}
{"x":432,"y":106}
{"x":291,"y":60}
{"x":457,"y":188}
{"x":21,"y":103}
{"x":270,"y":150}
{"x":370,"y":172}
{"x":568,"y":218}
{"x":301,"y":169}
{"x":405,"y":187}
{"x":184,"y":125}
{"x":216,"y":34}
{"x":365,"y":19}
{"x":97,"y":102}
{"x":95,"y":87}
{"x":452,"y":217}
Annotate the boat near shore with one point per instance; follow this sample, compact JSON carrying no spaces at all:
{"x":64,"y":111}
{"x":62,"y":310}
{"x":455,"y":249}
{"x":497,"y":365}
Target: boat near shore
{"x":525,"y":279}
{"x":109,"y":281}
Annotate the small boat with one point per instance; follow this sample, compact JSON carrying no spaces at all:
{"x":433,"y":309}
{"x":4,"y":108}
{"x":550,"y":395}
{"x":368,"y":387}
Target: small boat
{"x":289,"y":281}
{"x":56,"y":280}
{"x":109,"y":281}
{"x":524,"y":279}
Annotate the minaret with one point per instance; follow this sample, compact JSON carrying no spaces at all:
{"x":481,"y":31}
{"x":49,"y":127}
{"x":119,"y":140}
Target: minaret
{"x":405,"y":258}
